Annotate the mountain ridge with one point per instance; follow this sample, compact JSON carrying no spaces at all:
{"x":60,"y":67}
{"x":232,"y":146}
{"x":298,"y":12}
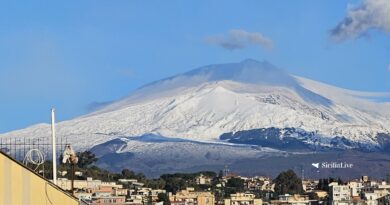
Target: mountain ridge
{"x":201,"y":105}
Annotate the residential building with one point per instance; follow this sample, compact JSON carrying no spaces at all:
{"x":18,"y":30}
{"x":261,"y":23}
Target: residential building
{"x":243,"y":199}
{"x":373,"y":197}
{"x":355,"y":188}
{"x":309,"y":185}
{"x":364,"y":179}
{"x":144,"y":195}
{"x":191,"y":197}
{"x":295,"y":199}
{"x":268,"y":186}
{"x":87,"y":196}
{"x":66,"y":184}
{"x":385,"y":200}
{"x":127,"y":181}
{"x":119,"y":191}
{"x":109,"y":200}
{"x":320,"y":194}
{"x":203,"y":180}
{"x":102,"y":191}
{"x":340,"y":194}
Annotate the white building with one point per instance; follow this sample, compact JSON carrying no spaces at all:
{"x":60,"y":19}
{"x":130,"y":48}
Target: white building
{"x":373,"y":197}
{"x":85,"y":184}
{"x":356,"y":188}
{"x":203,"y":180}
{"x":340,"y":194}
{"x":295,"y":199}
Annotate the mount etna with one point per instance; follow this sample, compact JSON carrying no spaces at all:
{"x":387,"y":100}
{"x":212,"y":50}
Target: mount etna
{"x":251,"y":116}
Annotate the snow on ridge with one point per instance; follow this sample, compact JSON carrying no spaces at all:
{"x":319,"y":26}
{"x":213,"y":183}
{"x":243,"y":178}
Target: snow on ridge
{"x":352,"y":98}
{"x":246,"y":72}
{"x":201,"y":105}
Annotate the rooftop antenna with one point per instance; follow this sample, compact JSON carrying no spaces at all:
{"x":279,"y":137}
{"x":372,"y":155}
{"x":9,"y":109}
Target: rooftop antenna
{"x":53,"y":136}
{"x":226,"y":170}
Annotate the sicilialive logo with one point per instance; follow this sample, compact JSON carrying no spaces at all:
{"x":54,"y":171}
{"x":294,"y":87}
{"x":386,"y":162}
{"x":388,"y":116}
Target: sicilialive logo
{"x":332,"y":165}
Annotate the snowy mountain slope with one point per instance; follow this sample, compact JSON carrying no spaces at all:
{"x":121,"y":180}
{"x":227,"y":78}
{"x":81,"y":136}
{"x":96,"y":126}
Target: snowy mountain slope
{"x":356,"y":99}
{"x":166,"y":156}
{"x":207,"y":102}
{"x":248,"y":72}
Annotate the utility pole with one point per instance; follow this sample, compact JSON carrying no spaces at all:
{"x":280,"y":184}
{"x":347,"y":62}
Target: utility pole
{"x":53,"y":136}
{"x":69,"y":156}
{"x":72,"y":168}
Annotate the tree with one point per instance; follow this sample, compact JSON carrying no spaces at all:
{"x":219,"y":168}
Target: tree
{"x":97,"y":173}
{"x":234,"y":185}
{"x":175,"y":184}
{"x":324,"y":183}
{"x":207,"y":174}
{"x":86,"y":158}
{"x":128,"y":174}
{"x":288,"y":183}
{"x":163,"y":197}
{"x":155,"y":183}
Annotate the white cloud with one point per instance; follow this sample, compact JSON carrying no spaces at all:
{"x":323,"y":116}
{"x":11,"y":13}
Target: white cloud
{"x":239,"y":39}
{"x":371,"y":14}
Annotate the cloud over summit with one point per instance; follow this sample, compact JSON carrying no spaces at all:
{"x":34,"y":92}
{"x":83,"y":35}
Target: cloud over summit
{"x":239,"y":39}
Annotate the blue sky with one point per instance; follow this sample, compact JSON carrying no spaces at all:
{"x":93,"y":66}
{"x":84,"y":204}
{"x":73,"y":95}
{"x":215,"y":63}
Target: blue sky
{"x":69,"y":54}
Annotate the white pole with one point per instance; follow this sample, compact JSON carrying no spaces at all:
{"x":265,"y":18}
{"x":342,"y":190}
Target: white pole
{"x":53,"y":135}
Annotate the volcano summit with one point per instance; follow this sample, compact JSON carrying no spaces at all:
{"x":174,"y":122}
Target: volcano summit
{"x":229,"y":114}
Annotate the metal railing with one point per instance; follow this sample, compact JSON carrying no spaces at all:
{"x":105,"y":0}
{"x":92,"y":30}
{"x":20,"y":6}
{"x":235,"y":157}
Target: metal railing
{"x":17,"y":147}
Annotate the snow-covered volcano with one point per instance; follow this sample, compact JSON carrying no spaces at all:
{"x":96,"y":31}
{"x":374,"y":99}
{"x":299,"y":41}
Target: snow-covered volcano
{"x":205,"y":103}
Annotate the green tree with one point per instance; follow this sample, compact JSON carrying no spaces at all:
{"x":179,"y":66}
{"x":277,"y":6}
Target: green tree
{"x":163,"y":197}
{"x":234,"y":185}
{"x":155,"y":183}
{"x":208,"y":174}
{"x":128,"y":174}
{"x":175,"y":184}
{"x":288,"y":183}
{"x":324,"y":183}
{"x":86,"y":158}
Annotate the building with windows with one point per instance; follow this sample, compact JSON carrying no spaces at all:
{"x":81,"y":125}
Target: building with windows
{"x":203,"y":180}
{"x":243,"y":199}
{"x":109,"y":200}
{"x":295,"y":199}
{"x":191,"y":197}
{"x":340,"y":194}
{"x":373,"y":196}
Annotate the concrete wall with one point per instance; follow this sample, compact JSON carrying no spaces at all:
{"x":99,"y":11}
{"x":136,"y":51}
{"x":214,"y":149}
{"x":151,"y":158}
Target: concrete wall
{"x":21,"y":186}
